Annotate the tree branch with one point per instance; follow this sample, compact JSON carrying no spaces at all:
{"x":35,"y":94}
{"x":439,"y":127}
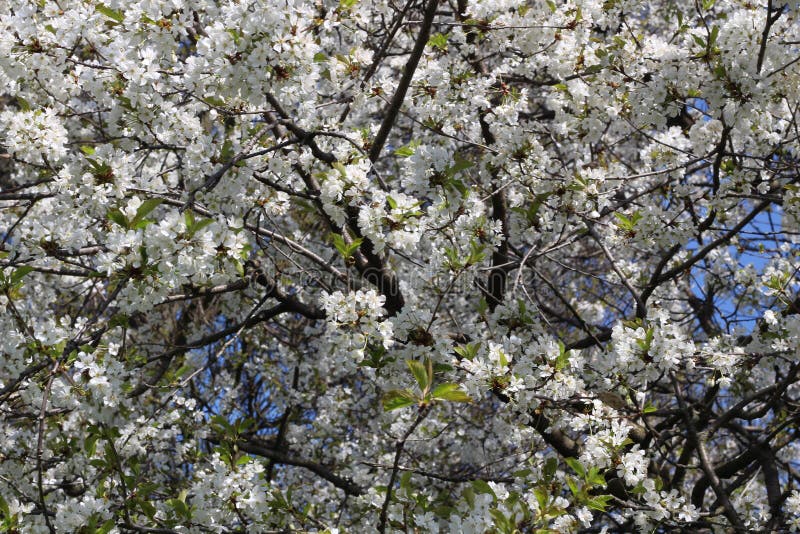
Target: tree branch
{"x":390,"y":115}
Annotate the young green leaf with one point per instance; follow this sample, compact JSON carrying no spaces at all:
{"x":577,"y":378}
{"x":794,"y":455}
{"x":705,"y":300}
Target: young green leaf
{"x":481,"y":486}
{"x":550,"y":467}
{"x":450,"y":392}
{"x":144,"y":210}
{"x":118,"y":217}
{"x":113,"y":14}
{"x":406,"y":151}
{"x":599,"y":502}
{"x":420,"y":372}
{"x":19,"y":273}
{"x":576,"y":466}
{"x":459,"y":164}
{"x":468,"y":351}
{"x":438,"y":41}
{"x":397,"y":398}
{"x":346,"y":249}
{"x":188,"y":218}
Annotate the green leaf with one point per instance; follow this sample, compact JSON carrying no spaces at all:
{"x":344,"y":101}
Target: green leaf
{"x":182,"y":370}
{"x":19,"y":273}
{"x":450,"y":392}
{"x":627,"y":223}
{"x":459,"y":165}
{"x":392,"y":203}
{"x":595,"y":478}
{"x":501,"y":522}
{"x":215,"y":101}
{"x":649,"y":408}
{"x":113,"y":14}
{"x":438,"y":41}
{"x":599,"y":502}
{"x":481,"y":486}
{"x":562,"y":361}
{"x":4,"y":509}
{"x":376,"y":357}
{"x":88,"y":150}
{"x":193,"y":226}
{"x":468,"y":351}
{"x":118,"y":217}
{"x":482,"y":307}
{"x":339,"y":242}
{"x":469,"y":496}
{"x":236,"y":34}
{"x":576,"y":466}
{"x":429,"y":370}
{"x":405,"y":482}
{"x":712,"y":37}
{"x":140,"y":225}
{"x":442,"y":367}
{"x":503,"y":358}
{"x":147,"y":508}
{"x":452,"y":258}
{"x":407,"y":150}
{"x":90,"y":444}
{"x":144,"y":210}
{"x":420,"y":372}
{"x":353,"y":247}
{"x":623,"y":221}
{"x":573,"y":486}
{"x":227,"y":153}
{"x":106,"y":527}
{"x":550,"y":468}
{"x":97,"y":167}
{"x":201,"y":224}
{"x":459,"y":186}
{"x":23,"y":104}
{"x":188,"y":218}
{"x":397,"y":398}
{"x":345,"y":249}
{"x":476,"y":253}
{"x":645,"y":342}
{"x":541,"y":497}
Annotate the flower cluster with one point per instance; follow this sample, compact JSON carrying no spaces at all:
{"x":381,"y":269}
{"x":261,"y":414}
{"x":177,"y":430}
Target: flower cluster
{"x":340,"y":266}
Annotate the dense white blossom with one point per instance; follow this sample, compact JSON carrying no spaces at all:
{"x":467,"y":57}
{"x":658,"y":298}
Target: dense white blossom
{"x":361,"y":266}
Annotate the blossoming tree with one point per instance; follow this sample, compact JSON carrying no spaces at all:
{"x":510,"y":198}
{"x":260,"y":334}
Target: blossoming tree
{"x":418,"y":266}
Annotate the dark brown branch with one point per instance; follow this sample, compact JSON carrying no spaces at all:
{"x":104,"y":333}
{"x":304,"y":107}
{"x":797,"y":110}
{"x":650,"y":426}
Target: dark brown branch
{"x":254,"y":446}
{"x":399,"y":446}
{"x":708,"y":469}
{"x":714,"y":244}
{"x":773,"y":15}
{"x":198,"y":292}
{"x":390,"y":115}
{"x":166,"y":357}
